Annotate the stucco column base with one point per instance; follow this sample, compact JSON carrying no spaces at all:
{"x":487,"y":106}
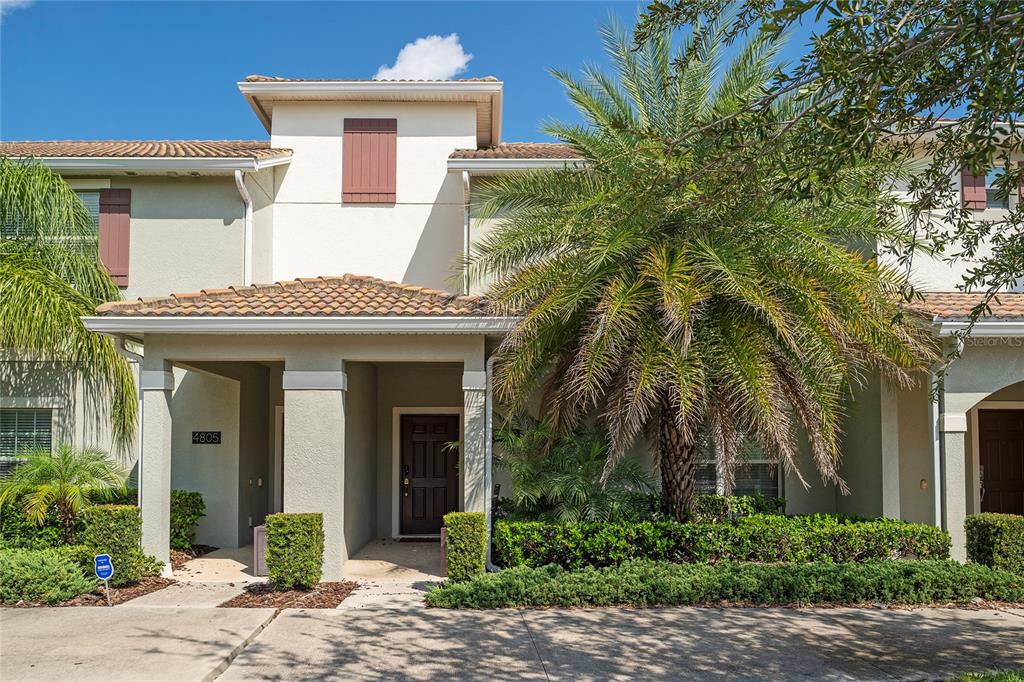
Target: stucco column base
{"x":474,"y":442}
{"x":314,"y":465}
{"x":155,"y":479}
{"x":954,"y":490}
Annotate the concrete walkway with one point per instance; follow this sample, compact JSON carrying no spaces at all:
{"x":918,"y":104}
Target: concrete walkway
{"x":183,"y":644}
{"x":393,"y":574}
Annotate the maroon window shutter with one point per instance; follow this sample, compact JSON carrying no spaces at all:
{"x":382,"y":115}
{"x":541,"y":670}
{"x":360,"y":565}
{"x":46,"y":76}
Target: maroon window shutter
{"x":369,"y":160}
{"x":115,"y":228}
{"x":973,"y":189}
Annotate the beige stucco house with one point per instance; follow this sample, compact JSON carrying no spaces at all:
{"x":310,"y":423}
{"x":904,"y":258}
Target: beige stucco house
{"x":343,"y":393}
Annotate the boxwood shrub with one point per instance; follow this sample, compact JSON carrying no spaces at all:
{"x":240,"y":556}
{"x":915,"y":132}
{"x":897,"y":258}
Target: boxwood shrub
{"x":116,"y":529}
{"x":762,"y":538}
{"x":187,"y":508}
{"x":295,"y":550}
{"x":996,"y":540}
{"x":18,"y":531}
{"x":41,"y":575}
{"x":661,"y":583}
{"x":467,"y":544}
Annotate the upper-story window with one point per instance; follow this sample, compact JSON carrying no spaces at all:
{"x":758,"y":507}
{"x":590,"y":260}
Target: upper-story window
{"x":993,"y":199}
{"x":369,"y":160}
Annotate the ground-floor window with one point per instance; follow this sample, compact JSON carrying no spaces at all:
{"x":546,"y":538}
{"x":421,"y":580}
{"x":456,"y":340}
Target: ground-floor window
{"x":20,"y":430}
{"x":755,"y":475}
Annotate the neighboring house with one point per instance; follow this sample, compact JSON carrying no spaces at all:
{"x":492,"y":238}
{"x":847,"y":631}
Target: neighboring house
{"x":340,"y":393}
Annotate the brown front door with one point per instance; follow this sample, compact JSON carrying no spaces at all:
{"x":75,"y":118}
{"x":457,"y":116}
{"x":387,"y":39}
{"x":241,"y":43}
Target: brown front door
{"x":428,"y":477}
{"x":1001,"y":439}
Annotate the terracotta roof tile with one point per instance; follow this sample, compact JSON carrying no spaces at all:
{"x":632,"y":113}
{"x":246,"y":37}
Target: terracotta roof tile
{"x":958,"y":305}
{"x":228,"y":149}
{"x":344,"y":296}
{"x":259,"y":78}
{"x":519,"y":150}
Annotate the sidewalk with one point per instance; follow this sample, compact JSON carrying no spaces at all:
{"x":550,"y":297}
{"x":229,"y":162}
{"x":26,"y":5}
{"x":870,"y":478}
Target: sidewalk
{"x":374,"y":641}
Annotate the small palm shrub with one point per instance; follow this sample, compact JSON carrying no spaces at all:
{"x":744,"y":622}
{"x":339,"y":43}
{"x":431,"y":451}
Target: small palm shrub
{"x":66,"y":480}
{"x":568,"y":478}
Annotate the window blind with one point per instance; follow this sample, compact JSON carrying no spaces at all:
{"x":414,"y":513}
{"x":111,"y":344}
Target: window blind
{"x":20,"y":430}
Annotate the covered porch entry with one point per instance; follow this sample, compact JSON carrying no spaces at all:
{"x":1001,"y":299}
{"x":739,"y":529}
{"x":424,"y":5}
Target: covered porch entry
{"x":377,"y":421}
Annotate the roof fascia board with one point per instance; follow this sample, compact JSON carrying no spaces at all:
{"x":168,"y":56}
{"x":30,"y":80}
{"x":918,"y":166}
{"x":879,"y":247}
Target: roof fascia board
{"x":291,"y":324}
{"x":112,"y":163}
{"x":286,"y":88}
{"x":983,"y":328}
{"x":484,"y":166}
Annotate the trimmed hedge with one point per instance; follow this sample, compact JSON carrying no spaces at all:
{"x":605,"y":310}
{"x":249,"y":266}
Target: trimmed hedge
{"x":116,"y":529}
{"x":763,"y":538}
{"x":660,"y":583}
{"x":187,"y":508}
{"x":721,"y":507}
{"x":16,"y":531}
{"x":467,"y":544}
{"x":996,"y":540}
{"x":41,"y":575}
{"x":295,"y":550}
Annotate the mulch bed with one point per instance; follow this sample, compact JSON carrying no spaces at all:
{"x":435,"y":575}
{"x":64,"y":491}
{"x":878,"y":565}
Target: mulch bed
{"x":263,"y":596}
{"x":98,"y":597}
{"x":181,"y":557}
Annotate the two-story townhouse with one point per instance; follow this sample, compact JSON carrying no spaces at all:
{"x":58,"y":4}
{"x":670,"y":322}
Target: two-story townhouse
{"x":340,"y":393}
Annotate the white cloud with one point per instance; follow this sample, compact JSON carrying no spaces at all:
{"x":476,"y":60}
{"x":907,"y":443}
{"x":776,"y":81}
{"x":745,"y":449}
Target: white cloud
{"x":428,"y":58}
{"x":8,"y":6}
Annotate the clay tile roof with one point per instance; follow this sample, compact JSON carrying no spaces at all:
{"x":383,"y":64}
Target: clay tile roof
{"x":344,"y":296}
{"x":519,"y":150}
{"x":258,"y":78}
{"x":228,"y":149}
{"x":958,"y":305}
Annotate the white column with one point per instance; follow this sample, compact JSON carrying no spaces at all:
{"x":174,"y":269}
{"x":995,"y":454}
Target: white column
{"x":474,"y":443}
{"x":954,"y":481}
{"x":890,"y":451}
{"x":314,"y":455}
{"x":155,"y":468}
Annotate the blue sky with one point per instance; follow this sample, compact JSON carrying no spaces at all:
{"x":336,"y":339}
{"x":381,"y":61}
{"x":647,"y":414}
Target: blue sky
{"x":142,"y":70}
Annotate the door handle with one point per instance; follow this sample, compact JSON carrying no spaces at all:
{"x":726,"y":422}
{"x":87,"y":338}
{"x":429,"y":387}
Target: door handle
{"x":405,"y":487}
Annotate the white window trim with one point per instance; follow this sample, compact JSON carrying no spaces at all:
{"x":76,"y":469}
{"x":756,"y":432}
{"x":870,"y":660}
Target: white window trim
{"x":396,"y":456}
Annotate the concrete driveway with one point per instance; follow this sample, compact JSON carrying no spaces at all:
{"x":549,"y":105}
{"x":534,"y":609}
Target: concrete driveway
{"x":183,"y":644}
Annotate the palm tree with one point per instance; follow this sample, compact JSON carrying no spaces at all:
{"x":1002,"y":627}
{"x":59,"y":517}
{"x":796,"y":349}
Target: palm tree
{"x":50,"y":275}
{"x":667,"y":300}
{"x":67,"y":479}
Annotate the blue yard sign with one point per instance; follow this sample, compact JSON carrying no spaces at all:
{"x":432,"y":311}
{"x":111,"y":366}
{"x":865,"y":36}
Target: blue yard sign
{"x":104,"y":569}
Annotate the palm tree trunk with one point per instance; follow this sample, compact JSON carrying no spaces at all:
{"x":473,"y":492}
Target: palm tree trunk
{"x":678,"y":464}
{"x":66,"y":518}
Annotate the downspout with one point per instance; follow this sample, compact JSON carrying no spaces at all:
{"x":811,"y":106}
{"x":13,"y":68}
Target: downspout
{"x":489,"y":459}
{"x":136,"y":358}
{"x":465,"y":228}
{"x":247,"y":238}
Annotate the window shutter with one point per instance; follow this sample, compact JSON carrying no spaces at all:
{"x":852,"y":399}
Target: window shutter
{"x":369,"y":160}
{"x":115,"y":228}
{"x":973,"y":189}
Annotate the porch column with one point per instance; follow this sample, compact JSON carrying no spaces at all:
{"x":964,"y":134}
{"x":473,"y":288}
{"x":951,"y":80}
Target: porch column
{"x":157,"y":386}
{"x":474,"y":441}
{"x":314,"y":455}
{"x":954,"y":480}
{"x":890,"y":437}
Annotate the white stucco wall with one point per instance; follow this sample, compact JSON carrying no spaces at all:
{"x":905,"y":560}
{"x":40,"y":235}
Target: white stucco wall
{"x":415,"y":240}
{"x":206,"y":402}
